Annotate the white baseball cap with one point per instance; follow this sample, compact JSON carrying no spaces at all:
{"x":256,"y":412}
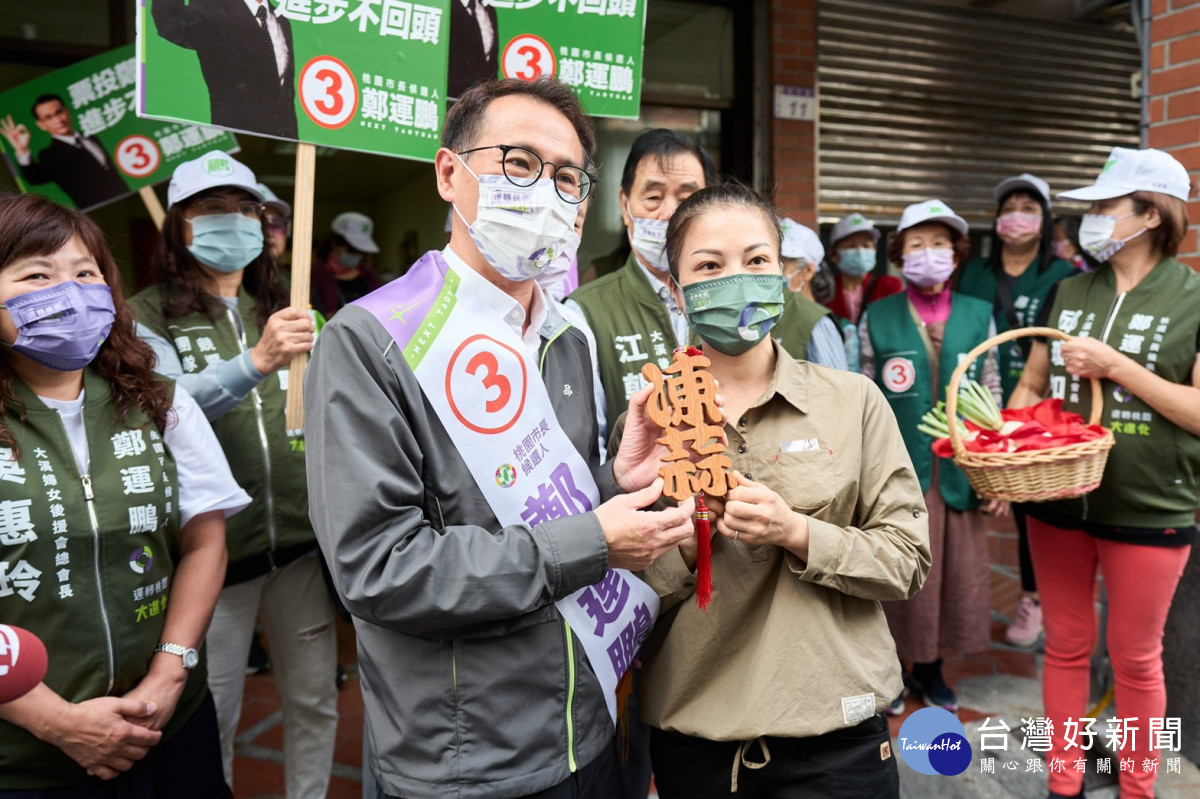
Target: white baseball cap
{"x":270,"y":198}
{"x":209,"y":171}
{"x":849,"y":225}
{"x":931,"y":211}
{"x":1023,"y":181}
{"x":357,"y":230}
{"x":801,"y":242}
{"x":1127,"y":171}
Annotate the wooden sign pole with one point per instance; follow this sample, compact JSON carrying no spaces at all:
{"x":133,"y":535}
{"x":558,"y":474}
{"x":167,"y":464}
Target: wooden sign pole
{"x":302,"y":219}
{"x":153,"y":205}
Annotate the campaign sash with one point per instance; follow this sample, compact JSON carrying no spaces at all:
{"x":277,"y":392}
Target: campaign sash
{"x":486,"y":389}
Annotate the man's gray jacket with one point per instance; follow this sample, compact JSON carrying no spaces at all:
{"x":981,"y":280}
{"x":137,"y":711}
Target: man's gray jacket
{"x":473,"y":684}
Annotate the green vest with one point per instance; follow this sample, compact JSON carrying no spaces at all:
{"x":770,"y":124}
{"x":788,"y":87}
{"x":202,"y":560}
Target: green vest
{"x":1153,"y":472}
{"x":265,"y":460}
{"x":632,"y":328}
{"x":794,"y":329}
{"x":977,"y":279}
{"x":86,"y":562}
{"x":902,"y":370}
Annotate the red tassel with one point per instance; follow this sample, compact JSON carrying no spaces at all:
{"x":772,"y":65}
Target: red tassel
{"x":703,"y":554}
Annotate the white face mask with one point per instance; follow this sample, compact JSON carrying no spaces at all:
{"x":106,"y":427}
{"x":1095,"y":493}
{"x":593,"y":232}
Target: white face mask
{"x":649,"y":240}
{"x":519,"y":230}
{"x":1095,"y":235}
{"x":553,"y":278}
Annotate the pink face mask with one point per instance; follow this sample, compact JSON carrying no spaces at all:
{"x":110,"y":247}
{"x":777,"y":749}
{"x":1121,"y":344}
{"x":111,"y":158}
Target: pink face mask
{"x":928,"y":267}
{"x":1016,"y":224}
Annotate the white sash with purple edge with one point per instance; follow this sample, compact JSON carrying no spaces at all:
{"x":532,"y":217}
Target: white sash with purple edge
{"x":486,"y":389}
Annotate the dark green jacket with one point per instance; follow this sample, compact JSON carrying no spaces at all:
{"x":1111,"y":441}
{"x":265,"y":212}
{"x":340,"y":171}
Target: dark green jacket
{"x":265,"y":460}
{"x":1152,"y":476}
{"x":632,"y":328}
{"x":800,"y":316}
{"x":90,"y":577}
{"x":978,"y":279}
{"x":902,"y":370}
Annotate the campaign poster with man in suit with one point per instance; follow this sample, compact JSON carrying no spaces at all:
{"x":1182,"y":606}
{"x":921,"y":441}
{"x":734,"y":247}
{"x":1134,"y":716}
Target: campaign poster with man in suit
{"x":593,"y":46}
{"x":73,"y":136}
{"x":367,"y":75}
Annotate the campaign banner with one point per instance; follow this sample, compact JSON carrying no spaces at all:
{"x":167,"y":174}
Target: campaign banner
{"x":366,"y":75}
{"x":73,"y":135}
{"x":594,"y":46}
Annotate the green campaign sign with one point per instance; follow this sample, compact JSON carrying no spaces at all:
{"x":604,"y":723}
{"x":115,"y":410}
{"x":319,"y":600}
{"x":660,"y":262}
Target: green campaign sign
{"x":366,"y":75}
{"x":594,"y":46}
{"x":73,"y":135}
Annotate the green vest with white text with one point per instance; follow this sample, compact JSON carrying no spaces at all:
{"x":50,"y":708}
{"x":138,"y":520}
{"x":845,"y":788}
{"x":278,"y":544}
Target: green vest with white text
{"x":266,"y":459}
{"x":632,"y":328}
{"x":903,"y":371}
{"x":1152,"y":475}
{"x":90,"y":578}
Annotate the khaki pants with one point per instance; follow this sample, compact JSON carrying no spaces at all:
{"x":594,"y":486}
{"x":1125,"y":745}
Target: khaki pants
{"x":297,"y":619}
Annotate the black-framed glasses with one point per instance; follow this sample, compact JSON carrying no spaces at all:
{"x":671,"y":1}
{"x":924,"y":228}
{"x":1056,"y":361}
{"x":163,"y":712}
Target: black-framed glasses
{"x":215,"y":205}
{"x":523,"y":168}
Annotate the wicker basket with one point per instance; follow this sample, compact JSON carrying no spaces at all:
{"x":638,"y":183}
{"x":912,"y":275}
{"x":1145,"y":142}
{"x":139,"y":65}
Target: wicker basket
{"x":1036,"y":475}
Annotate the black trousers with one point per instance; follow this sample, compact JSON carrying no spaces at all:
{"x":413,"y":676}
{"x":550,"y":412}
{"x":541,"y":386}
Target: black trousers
{"x":187,"y":766}
{"x":844,"y":764}
{"x":599,"y":779}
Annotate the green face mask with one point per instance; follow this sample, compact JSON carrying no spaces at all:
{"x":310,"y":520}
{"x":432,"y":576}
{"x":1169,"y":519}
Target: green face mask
{"x":732,"y":314}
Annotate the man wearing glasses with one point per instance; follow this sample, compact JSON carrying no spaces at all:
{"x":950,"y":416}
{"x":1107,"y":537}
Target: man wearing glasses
{"x":460,"y":504}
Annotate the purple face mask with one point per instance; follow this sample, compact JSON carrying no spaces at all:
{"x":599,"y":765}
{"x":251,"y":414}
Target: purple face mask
{"x":62,"y":326}
{"x":928,"y":267}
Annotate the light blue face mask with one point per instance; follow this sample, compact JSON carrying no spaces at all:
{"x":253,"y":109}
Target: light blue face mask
{"x":226,"y":242}
{"x":856,"y":261}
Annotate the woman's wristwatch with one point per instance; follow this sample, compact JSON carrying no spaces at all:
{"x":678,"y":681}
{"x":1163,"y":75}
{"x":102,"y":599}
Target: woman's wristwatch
{"x":190,"y":656}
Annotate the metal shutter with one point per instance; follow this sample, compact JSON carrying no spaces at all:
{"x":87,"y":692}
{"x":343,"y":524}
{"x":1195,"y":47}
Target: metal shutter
{"x":920,"y":101}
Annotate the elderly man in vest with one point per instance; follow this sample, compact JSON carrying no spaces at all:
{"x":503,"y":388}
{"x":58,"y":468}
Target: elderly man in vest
{"x":632,"y":311}
{"x":460,"y":502}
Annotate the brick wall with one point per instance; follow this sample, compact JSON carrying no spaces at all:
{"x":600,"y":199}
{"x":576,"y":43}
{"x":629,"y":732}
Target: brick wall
{"x":794,"y":143}
{"x":1175,"y":97}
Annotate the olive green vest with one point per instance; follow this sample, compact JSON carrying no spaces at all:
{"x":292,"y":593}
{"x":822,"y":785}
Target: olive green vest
{"x":902,"y":370}
{"x":977,"y":279}
{"x":90,"y":577}
{"x":1153,"y":472}
{"x":795,"y":326}
{"x":632,"y":328}
{"x":266,"y":459}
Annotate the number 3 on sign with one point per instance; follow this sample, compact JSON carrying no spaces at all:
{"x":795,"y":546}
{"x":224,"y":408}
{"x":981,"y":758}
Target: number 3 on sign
{"x":328,"y":92}
{"x":485,"y":385}
{"x":138,"y":156}
{"x":528,"y":57}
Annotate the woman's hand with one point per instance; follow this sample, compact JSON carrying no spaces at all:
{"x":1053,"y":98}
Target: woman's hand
{"x":1090,"y":357}
{"x":755,"y":515}
{"x":996,"y":507}
{"x":105,"y":735}
{"x":161,"y":687}
{"x":288,"y":332}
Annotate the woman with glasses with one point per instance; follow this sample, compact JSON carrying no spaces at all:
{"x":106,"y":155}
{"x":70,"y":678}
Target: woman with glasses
{"x":218,"y":321}
{"x":112,"y":546}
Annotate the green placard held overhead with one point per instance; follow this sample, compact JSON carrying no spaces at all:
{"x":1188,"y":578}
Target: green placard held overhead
{"x":73,"y":135}
{"x":367,"y":75}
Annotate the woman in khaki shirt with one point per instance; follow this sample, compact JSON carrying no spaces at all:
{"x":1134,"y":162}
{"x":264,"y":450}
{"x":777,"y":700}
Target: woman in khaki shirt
{"x":776,"y":688}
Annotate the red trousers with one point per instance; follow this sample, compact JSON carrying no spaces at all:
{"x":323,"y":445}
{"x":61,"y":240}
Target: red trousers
{"x":1141,"y":582}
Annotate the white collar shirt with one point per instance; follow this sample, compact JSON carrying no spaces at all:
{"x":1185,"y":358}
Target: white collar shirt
{"x":79,"y":140}
{"x":485,"y":23}
{"x":678,"y":319}
{"x":506,"y":308}
{"x":279,"y":43}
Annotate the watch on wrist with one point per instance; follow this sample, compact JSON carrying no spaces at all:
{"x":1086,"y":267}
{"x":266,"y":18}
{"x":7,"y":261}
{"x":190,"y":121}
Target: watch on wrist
{"x":190,"y":656}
